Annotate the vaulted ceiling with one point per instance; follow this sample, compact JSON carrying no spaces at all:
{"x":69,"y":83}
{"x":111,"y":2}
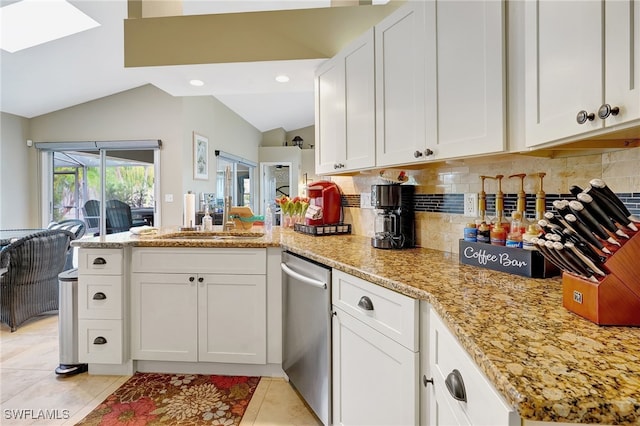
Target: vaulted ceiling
{"x":91,"y":64}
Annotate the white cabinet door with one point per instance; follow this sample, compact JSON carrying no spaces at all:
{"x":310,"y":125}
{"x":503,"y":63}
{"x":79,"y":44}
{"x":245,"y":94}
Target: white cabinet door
{"x":232,"y":312}
{"x":375,"y":380}
{"x":164,"y":317}
{"x":563,"y":60}
{"x":360,"y":103}
{"x":330,"y":119}
{"x":465,"y":78}
{"x":580,"y":56}
{"x":622,"y":60}
{"x":400,"y":86}
{"x":345,"y":106}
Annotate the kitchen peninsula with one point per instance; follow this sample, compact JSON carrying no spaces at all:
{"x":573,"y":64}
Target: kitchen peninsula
{"x":545,"y":362}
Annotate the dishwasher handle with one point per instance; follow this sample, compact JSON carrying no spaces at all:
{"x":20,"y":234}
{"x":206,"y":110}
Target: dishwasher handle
{"x":302,"y":278}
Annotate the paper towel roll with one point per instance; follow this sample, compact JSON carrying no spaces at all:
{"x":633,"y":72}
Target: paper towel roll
{"x":189,"y":210}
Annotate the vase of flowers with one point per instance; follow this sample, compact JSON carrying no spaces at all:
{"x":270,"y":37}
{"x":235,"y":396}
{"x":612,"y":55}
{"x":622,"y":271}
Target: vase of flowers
{"x":293,"y":210}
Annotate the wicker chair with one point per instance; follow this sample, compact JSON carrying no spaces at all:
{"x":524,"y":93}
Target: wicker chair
{"x":75,"y":226}
{"x":29,"y":287}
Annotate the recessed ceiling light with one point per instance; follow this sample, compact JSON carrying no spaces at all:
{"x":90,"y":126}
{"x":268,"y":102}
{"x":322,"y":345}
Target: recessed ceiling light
{"x":28,"y":23}
{"x":196,"y":83}
{"x":282,"y":78}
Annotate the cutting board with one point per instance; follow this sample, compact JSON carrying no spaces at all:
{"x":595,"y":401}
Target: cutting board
{"x":242,"y":211}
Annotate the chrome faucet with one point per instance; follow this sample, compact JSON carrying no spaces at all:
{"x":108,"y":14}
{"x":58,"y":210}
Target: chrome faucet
{"x":227,"y":223}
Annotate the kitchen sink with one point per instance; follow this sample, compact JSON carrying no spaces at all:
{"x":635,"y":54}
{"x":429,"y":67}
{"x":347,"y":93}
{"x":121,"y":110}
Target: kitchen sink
{"x":211,"y":235}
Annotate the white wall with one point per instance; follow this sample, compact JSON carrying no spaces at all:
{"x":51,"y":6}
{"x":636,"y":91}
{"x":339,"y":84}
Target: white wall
{"x":19,"y":203}
{"x":225,"y":130}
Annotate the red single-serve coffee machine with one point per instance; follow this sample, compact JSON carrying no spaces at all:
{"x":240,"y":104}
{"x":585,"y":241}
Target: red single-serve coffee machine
{"x":324,"y":203}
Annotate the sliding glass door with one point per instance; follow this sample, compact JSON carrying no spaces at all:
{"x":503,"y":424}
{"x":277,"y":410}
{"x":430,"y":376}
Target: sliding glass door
{"x":78,"y":182}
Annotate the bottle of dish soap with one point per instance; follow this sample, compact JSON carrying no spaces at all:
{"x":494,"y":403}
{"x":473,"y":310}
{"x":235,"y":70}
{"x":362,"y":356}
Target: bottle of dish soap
{"x":268,"y":220}
{"x":207,"y":220}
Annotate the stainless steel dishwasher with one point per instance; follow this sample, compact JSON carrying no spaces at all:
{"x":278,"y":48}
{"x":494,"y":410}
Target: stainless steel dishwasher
{"x":306,"y":351}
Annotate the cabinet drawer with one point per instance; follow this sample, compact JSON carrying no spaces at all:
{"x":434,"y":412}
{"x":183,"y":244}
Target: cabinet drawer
{"x":193,"y":260}
{"x":100,"y":341}
{"x":100,"y":261}
{"x":484,"y":405}
{"x":390,"y":313}
{"x":100,"y":297}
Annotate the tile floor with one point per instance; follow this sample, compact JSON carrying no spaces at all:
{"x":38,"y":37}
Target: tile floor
{"x":29,"y":357}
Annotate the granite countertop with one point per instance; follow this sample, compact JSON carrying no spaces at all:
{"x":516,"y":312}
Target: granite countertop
{"x":547,"y":362}
{"x":172,"y":237}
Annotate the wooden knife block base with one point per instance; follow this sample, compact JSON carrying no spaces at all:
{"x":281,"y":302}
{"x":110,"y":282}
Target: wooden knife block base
{"x":616,"y":299}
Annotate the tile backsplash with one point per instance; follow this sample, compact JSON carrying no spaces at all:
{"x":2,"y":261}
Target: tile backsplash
{"x":441,"y":186}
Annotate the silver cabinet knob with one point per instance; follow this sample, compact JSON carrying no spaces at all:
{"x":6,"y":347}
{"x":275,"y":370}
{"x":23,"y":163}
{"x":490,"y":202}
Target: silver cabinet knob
{"x":338,"y":166}
{"x":426,"y":381}
{"x":583,"y":116}
{"x":428,"y":152}
{"x":606,"y":110}
{"x":417,"y":154}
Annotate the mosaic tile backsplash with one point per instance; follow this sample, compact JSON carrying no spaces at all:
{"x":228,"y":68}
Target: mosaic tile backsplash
{"x":454,"y":203}
{"x":440,"y":189}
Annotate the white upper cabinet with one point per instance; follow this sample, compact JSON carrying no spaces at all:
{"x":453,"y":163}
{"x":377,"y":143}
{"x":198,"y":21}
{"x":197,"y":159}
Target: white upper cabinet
{"x":330,"y":123}
{"x":345,"y":109}
{"x":465,"y":78}
{"x":440,"y":81}
{"x":622,"y":60}
{"x":400,"y":86}
{"x":582,"y":67}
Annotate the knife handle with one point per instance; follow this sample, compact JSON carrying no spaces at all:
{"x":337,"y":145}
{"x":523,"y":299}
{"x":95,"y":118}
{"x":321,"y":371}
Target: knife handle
{"x":587,"y":219}
{"x":601,"y":187}
{"x":585,"y":233}
{"x":595,"y":210}
{"x":609,"y":207}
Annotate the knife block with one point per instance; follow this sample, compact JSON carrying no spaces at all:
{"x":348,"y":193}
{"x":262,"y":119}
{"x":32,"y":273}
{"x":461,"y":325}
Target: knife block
{"x":616,"y":299}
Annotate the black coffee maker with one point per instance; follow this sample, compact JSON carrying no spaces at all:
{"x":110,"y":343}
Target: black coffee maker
{"x":394,"y":223}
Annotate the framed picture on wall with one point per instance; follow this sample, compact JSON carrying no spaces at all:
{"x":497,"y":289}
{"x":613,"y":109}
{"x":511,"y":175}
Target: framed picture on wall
{"x":200,"y":157}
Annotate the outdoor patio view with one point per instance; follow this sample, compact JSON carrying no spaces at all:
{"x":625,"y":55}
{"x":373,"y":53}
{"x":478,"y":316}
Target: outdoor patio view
{"x":129,"y":187}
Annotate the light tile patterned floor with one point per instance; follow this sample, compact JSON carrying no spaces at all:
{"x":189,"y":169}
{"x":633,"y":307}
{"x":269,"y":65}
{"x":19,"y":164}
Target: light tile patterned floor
{"x":28,"y":384}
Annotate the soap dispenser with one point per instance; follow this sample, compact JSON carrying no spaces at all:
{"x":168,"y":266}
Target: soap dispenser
{"x":207,"y":220}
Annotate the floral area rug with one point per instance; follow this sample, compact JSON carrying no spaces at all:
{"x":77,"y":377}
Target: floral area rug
{"x":170,"y":399}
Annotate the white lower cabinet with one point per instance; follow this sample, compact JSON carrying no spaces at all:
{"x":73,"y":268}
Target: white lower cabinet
{"x":459,"y":393}
{"x":199,"y":316}
{"x":375,"y":378}
{"x":101,"y":307}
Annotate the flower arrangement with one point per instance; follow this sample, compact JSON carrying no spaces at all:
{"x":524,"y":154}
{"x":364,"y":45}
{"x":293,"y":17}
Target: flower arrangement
{"x":293,"y":209}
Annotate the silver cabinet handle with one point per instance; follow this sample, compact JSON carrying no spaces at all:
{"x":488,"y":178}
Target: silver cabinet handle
{"x":99,"y":296}
{"x":100,"y":341}
{"x":455,"y":386}
{"x":99,"y":261}
{"x":428,"y":152}
{"x":417,"y":154}
{"x":365,"y":303}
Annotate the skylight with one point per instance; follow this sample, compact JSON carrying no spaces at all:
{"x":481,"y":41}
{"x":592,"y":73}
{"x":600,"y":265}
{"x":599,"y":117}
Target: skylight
{"x":28,"y":23}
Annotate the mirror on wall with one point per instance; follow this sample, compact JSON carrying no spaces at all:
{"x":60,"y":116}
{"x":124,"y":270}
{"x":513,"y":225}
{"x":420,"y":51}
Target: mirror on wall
{"x":243,"y":183}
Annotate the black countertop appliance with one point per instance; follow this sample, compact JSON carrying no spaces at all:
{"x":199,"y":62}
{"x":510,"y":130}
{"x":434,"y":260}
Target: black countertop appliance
{"x":395,"y":218}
